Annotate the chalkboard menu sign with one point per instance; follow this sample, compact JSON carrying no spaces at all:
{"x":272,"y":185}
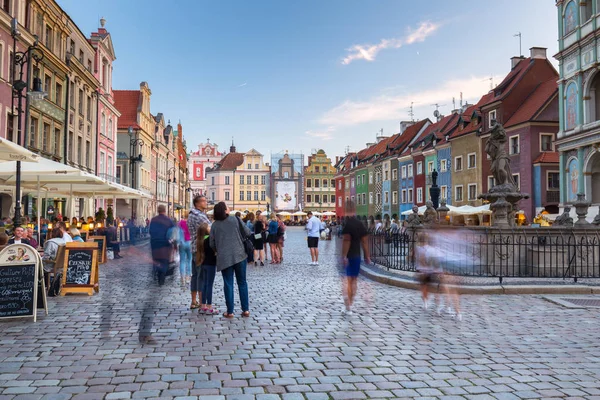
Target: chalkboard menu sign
{"x":18,"y":285}
{"x":80,"y":269}
{"x":101,"y":242}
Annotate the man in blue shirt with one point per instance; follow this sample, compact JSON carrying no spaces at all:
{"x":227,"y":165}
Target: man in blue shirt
{"x":314,"y":231}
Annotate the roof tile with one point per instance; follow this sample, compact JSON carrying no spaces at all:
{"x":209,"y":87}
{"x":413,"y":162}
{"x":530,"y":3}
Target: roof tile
{"x":127,"y":102}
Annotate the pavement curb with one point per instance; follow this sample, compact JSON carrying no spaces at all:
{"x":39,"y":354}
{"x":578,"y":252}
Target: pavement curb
{"x":409,"y":281}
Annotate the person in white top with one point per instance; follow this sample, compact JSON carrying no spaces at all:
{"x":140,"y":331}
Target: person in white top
{"x":313,"y":227}
{"x":65,"y":233}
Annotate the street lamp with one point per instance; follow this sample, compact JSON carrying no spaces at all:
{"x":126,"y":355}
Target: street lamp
{"x":133,"y":143}
{"x":174,"y":180}
{"x":18,"y":86}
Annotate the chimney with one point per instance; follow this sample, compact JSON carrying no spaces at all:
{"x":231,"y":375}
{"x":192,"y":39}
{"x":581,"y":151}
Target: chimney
{"x":514,"y":61}
{"x":538,"y":52}
{"x":404,"y":125}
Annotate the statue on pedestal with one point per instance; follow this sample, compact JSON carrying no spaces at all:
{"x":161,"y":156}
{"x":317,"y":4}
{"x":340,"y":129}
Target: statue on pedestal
{"x":430,"y":216}
{"x":414,"y":219}
{"x":564,"y":219}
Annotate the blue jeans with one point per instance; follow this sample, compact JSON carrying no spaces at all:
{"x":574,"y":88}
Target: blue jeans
{"x":208,"y":280}
{"x":239,"y":270}
{"x":185,"y":259}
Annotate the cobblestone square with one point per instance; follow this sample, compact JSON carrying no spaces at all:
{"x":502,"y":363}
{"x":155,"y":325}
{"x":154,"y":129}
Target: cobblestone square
{"x":297,"y":344}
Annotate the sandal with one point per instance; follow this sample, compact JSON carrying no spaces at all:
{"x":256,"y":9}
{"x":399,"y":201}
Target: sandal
{"x":246,"y":314}
{"x":211,"y":311}
{"x":227,"y":315}
{"x":194,"y":306}
{"x":202,"y":310}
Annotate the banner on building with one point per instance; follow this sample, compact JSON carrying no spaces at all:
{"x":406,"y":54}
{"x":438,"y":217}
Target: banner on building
{"x":285,"y":196}
{"x":198,"y":171}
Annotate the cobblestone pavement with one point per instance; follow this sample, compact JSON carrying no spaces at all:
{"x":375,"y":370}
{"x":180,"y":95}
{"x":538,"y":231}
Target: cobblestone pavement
{"x":298,"y":344}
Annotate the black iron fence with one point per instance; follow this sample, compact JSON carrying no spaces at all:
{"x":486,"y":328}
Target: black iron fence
{"x":488,"y":252}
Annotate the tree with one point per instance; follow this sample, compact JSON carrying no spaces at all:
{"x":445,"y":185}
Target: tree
{"x":100,"y":216}
{"x":110,"y":219}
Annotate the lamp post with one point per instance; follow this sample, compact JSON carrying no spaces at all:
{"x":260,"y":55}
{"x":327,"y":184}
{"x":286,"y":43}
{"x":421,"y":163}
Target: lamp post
{"x":174,"y":180}
{"x":20,"y":59}
{"x":133,"y":160}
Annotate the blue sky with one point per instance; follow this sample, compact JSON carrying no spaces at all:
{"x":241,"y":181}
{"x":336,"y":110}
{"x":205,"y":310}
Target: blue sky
{"x":285,"y":75}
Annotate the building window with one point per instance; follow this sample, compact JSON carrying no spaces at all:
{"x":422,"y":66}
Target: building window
{"x":352,"y":182}
{"x":10,"y":127}
{"x":263,"y":180}
{"x":263,"y":195}
{"x":256,"y":179}
{"x":109,"y":166}
{"x":403,"y":171}
{"x":554,"y":180}
{"x":339,"y":202}
{"x":89,"y":108}
{"x":394,"y":174}
{"x":410,"y":196}
{"x":325,"y":182}
{"x":317,"y":183}
{"x":514,"y":144}
{"x":472,"y":191}
{"x":70,"y":146}
{"x":80,"y":105}
{"x":241,"y":195}
{"x":241,"y":179}
{"x":333,"y":183}
{"x":309,"y":198}
{"x":317,"y":170}
{"x":33,"y":127}
{"x":419,"y":195}
{"x":458,"y":193}
{"x":248,"y":195}
{"x":385,"y":175}
{"x":103,"y":124}
{"x":364,"y":198}
{"x":443,"y":165}
{"x":256,"y":166}
{"x":546,"y":142}
{"x":444,"y":192}
{"x":491,"y":182}
{"x":386,"y":197}
{"x":212,"y":180}
{"x":458,"y":163}
{"x":471,"y":161}
{"x":308,"y":183}
{"x":49,"y":37}
{"x":491,"y":118}
{"x":6,"y":6}
{"x":419,"y":168}
{"x":404,"y":196}
{"x":118,"y":173}
{"x":370,"y":197}
{"x":227,"y":180}
{"x":88,"y":153}
{"x":48,"y":85}
{"x":256,"y":195}
{"x":333,"y":199}
{"x":340,"y":184}
{"x":571,"y":17}
{"x":46,"y":138}
{"x":429,"y":167}
{"x":56,"y":145}
{"x":395,"y":197}
{"x":58,"y":93}
{"x":286,"y":175}
{"x":212,"y":196}
{"x":226,"y":195}
{"x":102,"y":166}
{"x":347,"y":184}
{"x":318,"y":199}
{"x":370,"y":178}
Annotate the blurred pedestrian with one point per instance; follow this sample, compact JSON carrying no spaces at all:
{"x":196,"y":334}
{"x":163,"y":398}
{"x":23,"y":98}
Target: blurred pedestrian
{"x":354,"y":237}
{"x":160,"y":243}
{"x":185,"y":250}
{"x":280,"y":237}
{"x":226,"y":239}
{"x":273,"y":239}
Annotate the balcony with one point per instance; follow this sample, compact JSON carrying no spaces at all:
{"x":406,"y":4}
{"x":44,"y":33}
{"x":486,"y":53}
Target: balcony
{"x":553,"y":196}
{"x":108,"y":178}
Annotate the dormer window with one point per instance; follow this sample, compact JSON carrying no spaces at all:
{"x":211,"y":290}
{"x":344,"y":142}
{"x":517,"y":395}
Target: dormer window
{"x":491,"y":118}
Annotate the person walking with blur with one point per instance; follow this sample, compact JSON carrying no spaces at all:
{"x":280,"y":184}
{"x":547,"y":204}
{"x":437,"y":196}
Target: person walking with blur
{"x":197,"y":217}
{"x":160,"y":242}
{"x":280,"y":237}
{"x":227,"y":237}
{"x":185,"y":251}
{"x":354,"y":237}
{"x":313,"y":228}
{"x":273,"y":239}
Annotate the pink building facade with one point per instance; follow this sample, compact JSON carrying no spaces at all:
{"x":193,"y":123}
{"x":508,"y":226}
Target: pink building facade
{"x":108,"y":114}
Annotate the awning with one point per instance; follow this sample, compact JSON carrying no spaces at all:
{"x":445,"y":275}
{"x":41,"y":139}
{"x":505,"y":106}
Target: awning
{"x":10,"y":151}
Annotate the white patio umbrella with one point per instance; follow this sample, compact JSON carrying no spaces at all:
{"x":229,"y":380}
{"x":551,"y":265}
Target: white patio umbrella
{"x":284,"y":214}
{"x":299,"y":214}
{"x":317,"y":214}
{"x":10,"y":151}
{"x":329,"y":213}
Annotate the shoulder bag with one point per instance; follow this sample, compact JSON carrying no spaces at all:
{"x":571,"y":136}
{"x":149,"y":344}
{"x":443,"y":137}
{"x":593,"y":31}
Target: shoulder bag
{"x":248,"y":245}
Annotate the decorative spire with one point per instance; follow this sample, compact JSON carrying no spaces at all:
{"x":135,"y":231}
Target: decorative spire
{"x":102,"y":22}
{"x":232,"y":148}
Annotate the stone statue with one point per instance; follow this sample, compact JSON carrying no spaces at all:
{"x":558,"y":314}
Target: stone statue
{"x":430,"y":216}
{"x":596,"y":220}
{"x":564,"y":219}
{"x":500,"y":167}
{"x":434,"y":176}
{"x":414,"y":219}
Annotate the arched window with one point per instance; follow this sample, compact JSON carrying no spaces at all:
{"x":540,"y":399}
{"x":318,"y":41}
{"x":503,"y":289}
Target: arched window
{"x":571,"y":17}
{"x":571,"y":108}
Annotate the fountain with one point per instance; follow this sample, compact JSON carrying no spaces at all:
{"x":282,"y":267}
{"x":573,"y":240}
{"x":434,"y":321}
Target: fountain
{"x":505,"y":195}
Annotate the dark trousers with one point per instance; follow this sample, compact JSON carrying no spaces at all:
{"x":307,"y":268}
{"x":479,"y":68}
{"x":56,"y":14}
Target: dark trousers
{"x":239,"y":270}
{"x":208,"y":275}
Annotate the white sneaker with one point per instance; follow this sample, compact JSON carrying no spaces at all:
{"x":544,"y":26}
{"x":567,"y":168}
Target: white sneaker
{"x":312,"y":263}
{"x":425,"y":305}
{"x":316,"y":263}
{"x":459,"y":317}
{"x":349,"y":312}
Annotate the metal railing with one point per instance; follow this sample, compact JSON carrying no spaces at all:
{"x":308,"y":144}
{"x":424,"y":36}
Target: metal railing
{"x":108,"y":178}
{"x":494,"y":253}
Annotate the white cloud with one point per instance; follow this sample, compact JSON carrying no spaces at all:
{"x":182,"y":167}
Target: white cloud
{"x":368,"y":52}
{"x":327,"y":134}
{"x":395,"y":107}
{"x":243,"y":84}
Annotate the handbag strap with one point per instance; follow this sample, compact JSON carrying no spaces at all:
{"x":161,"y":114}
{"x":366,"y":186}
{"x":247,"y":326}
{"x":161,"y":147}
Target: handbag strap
{"x":240,"y":229}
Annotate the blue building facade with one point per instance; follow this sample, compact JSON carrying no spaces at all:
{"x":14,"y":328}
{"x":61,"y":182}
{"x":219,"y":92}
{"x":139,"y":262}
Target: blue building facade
{"x":444,"y":159}
{"x":406,"y":187}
